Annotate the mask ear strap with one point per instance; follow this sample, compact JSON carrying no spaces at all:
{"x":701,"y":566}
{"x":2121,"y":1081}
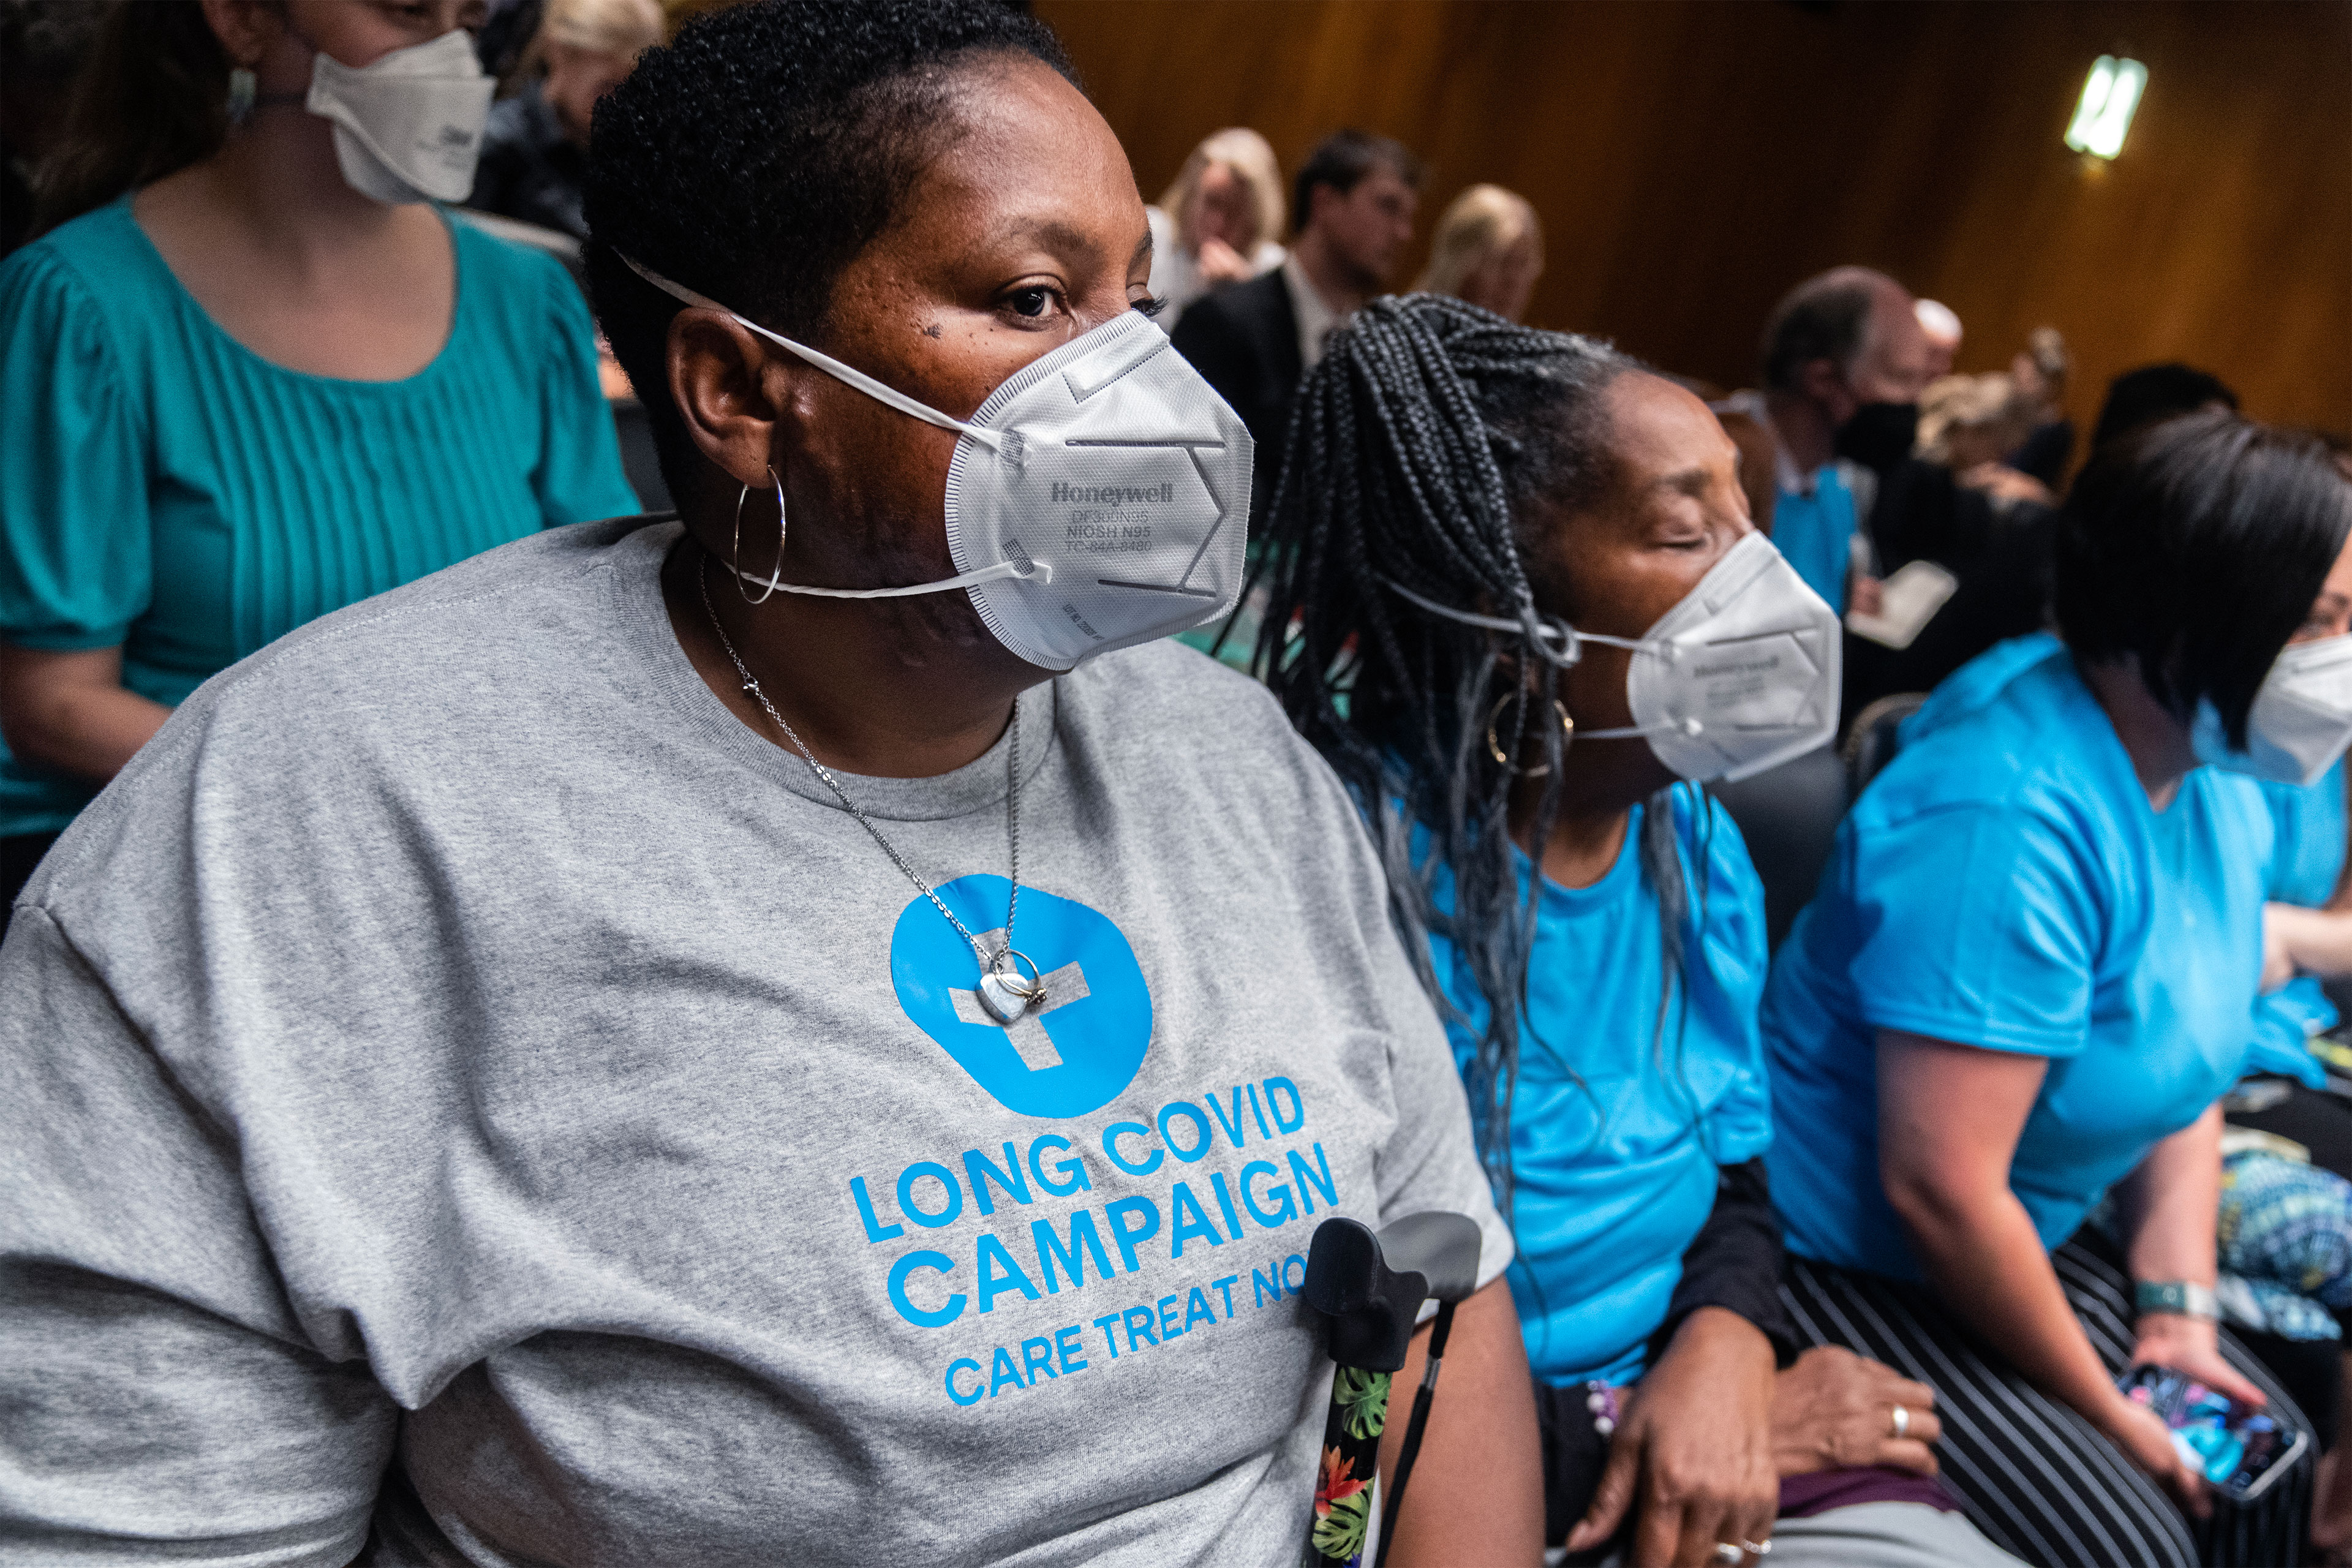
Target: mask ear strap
{"x":1530,"y":624}
{"x":1540,"y":636}
{"x":881,"y":391}
{"x":1027,"y":570}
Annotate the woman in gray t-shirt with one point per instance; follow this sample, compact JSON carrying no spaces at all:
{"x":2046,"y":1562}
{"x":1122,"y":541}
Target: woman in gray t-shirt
{"x":548,"y":1064}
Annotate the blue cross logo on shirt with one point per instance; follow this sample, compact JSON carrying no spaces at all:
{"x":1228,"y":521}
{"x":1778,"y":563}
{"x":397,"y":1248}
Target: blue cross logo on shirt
{"x":1071,"y":1054}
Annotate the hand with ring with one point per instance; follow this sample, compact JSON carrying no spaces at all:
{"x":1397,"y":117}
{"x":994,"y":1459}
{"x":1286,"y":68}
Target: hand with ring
{"x":1836,"y":1410}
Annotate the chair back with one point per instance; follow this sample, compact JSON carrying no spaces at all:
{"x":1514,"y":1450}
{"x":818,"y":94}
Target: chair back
{"x":1872,"y":740}
{"x":1789,"y":815}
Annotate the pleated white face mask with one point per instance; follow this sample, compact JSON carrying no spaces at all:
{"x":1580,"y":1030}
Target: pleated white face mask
{"x":1740,"y":676}
{"x":408,"y":126}
{"x":1098,"y":499}
{"x":2301,"y":720}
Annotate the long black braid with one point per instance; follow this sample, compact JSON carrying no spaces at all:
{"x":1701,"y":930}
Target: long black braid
{"x":1422,"y":433}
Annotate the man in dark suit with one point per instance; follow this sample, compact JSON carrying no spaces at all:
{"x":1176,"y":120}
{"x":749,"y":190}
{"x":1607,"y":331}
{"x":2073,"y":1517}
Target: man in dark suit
{"x":1253,"y":341}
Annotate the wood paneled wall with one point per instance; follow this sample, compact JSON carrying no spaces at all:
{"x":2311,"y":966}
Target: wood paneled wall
{"x":1694,"y":158}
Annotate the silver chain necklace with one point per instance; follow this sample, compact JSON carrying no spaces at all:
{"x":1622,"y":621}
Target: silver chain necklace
{"x":1006,"y":996}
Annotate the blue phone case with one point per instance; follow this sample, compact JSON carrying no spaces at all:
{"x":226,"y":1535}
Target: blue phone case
{"x":2238,"y":1449}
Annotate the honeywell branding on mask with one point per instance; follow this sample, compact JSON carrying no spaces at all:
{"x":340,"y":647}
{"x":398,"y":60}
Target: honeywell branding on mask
{"x":1110,"y":520}
{"x":1112,"y":495}
{"x":1736,"y":681}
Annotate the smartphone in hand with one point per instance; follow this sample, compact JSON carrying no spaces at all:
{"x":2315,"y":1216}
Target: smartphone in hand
{"x":2238,"y":1449}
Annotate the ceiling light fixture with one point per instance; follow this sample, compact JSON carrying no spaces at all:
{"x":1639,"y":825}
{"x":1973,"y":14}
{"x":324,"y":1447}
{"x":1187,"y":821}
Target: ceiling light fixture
{"x":2109,"y":96}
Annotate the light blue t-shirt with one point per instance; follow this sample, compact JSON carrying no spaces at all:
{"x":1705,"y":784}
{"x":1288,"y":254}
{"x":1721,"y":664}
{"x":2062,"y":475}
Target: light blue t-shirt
{"x":2307,"y":858}
{"x":1617,"y":1131}
{"x":1815,"y":533}
{"x":166,"y":491}
{"x":2005,"y":884}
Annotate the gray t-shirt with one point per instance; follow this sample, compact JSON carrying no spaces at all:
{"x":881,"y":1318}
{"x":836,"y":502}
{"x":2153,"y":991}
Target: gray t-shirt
{"x":468,"y":1098}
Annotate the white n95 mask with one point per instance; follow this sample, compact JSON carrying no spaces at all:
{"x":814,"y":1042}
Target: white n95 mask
{"x":1098,"y":499}
{"x":408,"y":126}
{"x":2301,"y":720}
{"x":1740,"y":676}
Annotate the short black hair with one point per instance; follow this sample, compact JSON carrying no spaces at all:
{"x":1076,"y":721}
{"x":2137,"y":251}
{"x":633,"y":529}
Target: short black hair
{"x":2138,"y":398}
{"x":1341,"y":160}
{"x":753,"y":158}
{"x":1825,"y":317}
{"x":2197,"y":546}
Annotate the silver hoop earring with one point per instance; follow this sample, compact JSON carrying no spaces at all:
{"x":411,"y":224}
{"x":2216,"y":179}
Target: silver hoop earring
{"x":1502,"y":759}
{"x":735,"y":547}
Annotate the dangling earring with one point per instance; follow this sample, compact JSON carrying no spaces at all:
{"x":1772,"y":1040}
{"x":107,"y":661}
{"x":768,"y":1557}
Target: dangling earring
{"x":1495,"y":746}
{"x":242,"y":89}
{"x":735,"y":549}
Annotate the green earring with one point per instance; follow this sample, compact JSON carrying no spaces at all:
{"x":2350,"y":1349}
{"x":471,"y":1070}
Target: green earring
{"x":242,"y":88}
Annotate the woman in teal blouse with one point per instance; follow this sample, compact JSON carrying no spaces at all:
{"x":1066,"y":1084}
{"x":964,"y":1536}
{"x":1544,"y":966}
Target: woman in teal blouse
{"x":246,"y":393}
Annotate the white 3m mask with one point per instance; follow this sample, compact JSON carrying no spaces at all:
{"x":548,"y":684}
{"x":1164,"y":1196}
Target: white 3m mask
{"x":2301,"y":720}
{"x":1098,"y":499}
{"x":408,"y":126}
{"x":1740,"y":676}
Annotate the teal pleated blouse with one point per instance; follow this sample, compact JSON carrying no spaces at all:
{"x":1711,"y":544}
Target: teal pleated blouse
{"x":166,"y":491}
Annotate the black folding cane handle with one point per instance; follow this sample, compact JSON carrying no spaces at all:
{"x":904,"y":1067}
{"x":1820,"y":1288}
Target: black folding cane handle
{"x":1371,"y":1286}
{"x":1371,"y":1306}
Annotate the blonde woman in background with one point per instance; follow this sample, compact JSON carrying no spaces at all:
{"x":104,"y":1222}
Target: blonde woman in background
{"x":536,"y":144}
{"x":2040,"y":370}
{"x":1218,"y":221}
{"x":1488,"y":250}
{"x":1969,"y":423}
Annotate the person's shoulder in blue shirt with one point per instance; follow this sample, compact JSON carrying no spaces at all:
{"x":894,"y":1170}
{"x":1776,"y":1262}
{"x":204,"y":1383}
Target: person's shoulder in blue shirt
{"x":2310,"y":828}
{"x":1814,"y":527}
{"x":2006,"y":884}
{"x":1997,"y":812}
{"x":1624,"y":1112}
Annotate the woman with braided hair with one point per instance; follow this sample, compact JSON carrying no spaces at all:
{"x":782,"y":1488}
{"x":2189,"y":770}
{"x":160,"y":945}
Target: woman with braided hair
{"x":1517,"y":602}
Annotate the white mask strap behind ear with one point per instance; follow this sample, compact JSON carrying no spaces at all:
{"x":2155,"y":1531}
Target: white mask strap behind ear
{"x":881,"y":391}
{"x":1549,"y":635}
{"x":1561,"y":634}
{"x":1028,"y":570}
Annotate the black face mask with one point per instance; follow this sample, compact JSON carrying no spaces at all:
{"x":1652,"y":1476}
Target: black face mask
{"x":1880,"y":435}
